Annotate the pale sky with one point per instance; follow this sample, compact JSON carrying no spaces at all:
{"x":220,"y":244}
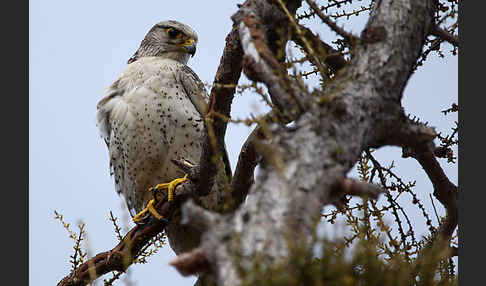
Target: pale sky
{"x":77,"y":49}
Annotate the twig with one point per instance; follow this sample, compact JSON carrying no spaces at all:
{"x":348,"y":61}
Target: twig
{"x":350,"y":38}
{"x":261,"y":65}
{"x":117,"y":228}
{"x":303,"y":39}
{"x":444,"y":35}
{"x":332,"y":57}
{"x":435,"y":210}
{"x":115,"y":277}
{"x":126,"y":252}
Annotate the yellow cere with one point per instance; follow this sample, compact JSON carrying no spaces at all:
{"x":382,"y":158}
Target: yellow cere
{"x":187,"y":42}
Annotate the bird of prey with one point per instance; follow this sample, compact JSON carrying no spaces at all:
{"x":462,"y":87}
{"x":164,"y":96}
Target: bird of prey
{"x":153,"y":113}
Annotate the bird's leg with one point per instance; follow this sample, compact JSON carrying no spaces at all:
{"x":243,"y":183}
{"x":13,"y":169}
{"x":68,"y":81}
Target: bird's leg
{"x":170,"y":197}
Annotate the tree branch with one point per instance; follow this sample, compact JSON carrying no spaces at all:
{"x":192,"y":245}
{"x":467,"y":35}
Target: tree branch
{"x":287,"y":196}
{"x":260,"y":63}
{"x":444,"y":35}
{"x":350,"y":38}
{"x":247,"y":162}
{"x":416,"y":139}
{"x":444,"y":190}
{"x":124,"y":254}
{"x":353,"y":187}
{"x":221,"y":97}
{"x":332,"y":58}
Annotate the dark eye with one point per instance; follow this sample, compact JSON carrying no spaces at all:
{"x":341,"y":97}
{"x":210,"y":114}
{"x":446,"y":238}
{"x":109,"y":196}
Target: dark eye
{"x":173,"y":33}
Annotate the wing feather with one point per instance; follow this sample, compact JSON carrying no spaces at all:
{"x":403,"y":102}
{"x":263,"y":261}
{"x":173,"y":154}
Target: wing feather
{"x":199,"y":97}
{"x":195,"y":89}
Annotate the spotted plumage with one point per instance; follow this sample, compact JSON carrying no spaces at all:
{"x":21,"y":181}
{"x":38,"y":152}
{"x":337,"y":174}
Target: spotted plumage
{"x":153,"y":113}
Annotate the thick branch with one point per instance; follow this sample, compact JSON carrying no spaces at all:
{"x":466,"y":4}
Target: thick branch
{"x":247,"y":162}
{"x":416,"y":139}
{"x":221,"y":97}
{"x":444,"y":190}
{"x":357,"y":188}
{"x":325,"y":140}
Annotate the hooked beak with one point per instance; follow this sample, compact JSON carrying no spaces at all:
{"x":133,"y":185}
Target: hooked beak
{"x":190,"y":46}
{"x":191,"y":49}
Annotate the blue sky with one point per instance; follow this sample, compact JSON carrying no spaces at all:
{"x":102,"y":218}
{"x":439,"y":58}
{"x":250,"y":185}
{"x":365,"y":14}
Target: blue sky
{"x":76,"y":50}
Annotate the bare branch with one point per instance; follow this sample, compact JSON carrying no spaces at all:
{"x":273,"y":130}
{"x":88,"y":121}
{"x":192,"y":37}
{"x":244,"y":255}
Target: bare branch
{"x":444,"y":35}
{"x":444,"y":190}
{"x":247,"y":162}
{"x":300,"y":35}
{"x":332,"y":57}
{"x":417,"y":142}
{"x":126,"y":252}
{"x":408,"y":133}
{"x":117,"y":259}
{"x":261,"y":64}
{"x":357,"y":188}
{"x":221,"y":97}
{"x":353,"y":187}
{"x":183,"y":164}
{"x":350,"y":38}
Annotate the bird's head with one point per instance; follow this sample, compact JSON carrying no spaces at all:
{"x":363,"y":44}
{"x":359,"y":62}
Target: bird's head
{"x":168,"y":39}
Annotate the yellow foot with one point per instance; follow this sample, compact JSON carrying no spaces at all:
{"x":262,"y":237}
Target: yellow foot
{"x":170,"y":187}
{"x":148,"y":209}
{"x":150,"y":205}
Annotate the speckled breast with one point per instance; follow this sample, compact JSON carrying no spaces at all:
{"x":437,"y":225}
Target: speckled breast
{"x":165,"y":126}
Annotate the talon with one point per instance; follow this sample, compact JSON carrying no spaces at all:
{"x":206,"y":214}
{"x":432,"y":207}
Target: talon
{"x":151,"y":209}
{"x":148,"y":209}
{"x":150,"y":205}
{"x":140,"y":216}
{"x":170,"y":187}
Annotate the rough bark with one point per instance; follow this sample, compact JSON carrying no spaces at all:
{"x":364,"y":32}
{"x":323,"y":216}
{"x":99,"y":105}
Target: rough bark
{"x":364,"y":111}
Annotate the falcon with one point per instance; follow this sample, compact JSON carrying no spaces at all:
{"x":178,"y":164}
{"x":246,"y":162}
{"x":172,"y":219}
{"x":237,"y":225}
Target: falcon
{"x":151,"y":114}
